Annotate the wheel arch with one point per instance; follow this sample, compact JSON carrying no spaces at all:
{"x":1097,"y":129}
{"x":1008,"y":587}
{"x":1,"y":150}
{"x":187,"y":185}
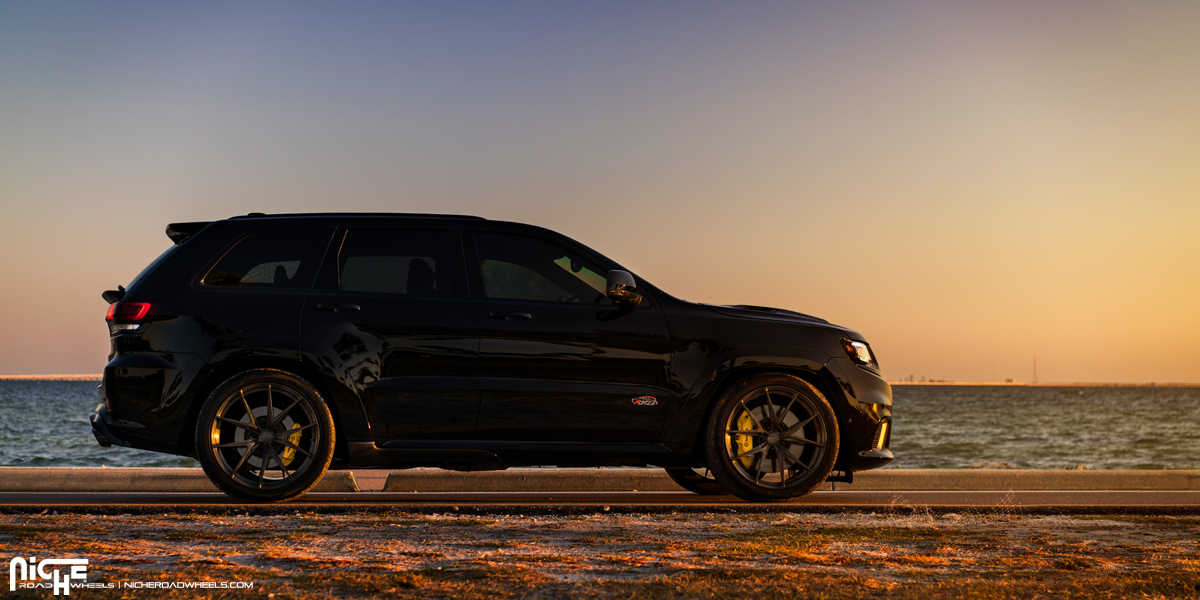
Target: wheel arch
{"x":821,"y":379}
{"x":224,"y":370}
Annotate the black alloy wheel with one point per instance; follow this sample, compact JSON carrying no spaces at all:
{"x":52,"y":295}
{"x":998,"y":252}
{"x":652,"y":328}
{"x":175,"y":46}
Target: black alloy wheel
{"x":771,"y":437}
{"x":265,"y":436}
{"x":698,"y":480}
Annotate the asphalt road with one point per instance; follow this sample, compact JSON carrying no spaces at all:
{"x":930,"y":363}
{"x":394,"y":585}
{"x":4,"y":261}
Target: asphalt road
{"x":1017,"y":502}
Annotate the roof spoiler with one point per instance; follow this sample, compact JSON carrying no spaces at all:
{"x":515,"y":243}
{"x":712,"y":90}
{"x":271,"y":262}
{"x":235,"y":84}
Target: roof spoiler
{"x":178,"y":232}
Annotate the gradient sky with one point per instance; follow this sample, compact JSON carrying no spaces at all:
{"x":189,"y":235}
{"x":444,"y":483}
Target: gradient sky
{"x":966,"y":183}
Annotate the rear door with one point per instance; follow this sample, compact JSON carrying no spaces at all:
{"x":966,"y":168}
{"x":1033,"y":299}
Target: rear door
{"x":396,"y":321}
{"x":558,"y":360}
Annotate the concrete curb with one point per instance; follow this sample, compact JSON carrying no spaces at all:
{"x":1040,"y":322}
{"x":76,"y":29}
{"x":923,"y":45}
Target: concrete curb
{"x":912,"y":480}
{"x":67,"y":479}
{"x":653,"y":480}
{"x":566,"y":509}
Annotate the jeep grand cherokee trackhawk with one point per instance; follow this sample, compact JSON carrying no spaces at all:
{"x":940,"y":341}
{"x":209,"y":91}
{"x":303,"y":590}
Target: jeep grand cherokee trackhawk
{"x":274,"y":347}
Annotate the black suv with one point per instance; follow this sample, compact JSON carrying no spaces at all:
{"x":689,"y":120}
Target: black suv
{"x":274,"y":347}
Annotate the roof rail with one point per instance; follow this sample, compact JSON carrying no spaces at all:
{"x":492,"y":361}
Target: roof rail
{"x":256,"y":215}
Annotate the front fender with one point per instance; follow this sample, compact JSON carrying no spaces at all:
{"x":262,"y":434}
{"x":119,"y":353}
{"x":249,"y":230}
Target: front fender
{"x":728,"y":366}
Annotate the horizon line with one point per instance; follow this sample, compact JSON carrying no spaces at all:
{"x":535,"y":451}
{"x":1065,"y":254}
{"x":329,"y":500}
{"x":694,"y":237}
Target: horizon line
{"x":1048,"y":383}
{"x":55,"y":377}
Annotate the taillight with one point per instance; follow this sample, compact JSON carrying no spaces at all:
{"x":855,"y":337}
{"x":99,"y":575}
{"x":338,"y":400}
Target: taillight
{"x":129,"y":316}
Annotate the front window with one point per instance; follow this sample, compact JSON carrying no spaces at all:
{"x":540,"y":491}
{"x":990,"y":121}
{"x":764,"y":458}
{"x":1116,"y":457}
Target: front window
{"x":517,"y":267}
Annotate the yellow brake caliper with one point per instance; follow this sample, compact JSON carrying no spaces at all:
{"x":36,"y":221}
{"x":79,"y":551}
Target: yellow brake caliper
{"x":294,"y":439}
{"x":744,"y":441}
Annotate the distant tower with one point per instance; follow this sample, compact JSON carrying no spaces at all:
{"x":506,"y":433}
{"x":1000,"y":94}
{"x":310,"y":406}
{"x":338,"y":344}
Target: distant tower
{"x":1035,"y":368}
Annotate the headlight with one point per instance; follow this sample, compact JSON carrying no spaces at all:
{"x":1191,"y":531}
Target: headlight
{"x":859,"y":352}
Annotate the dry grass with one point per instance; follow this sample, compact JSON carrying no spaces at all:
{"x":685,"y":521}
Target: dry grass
{"x":915,"y":555}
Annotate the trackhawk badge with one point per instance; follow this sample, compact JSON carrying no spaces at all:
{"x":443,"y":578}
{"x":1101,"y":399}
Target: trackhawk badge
{"x":645,"y":401}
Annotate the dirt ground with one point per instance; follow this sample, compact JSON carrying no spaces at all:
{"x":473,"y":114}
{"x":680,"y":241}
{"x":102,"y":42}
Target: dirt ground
{"x":908,"y":554}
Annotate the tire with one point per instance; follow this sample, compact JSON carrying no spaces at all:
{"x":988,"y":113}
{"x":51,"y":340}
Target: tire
{"x":770,"y":438}
{"x":699,"y":481}
{"x":290,"y":429}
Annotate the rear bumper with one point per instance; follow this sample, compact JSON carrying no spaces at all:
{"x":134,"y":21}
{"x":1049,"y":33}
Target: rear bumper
{"x":103,"y":426}
{"x":146,"y":397}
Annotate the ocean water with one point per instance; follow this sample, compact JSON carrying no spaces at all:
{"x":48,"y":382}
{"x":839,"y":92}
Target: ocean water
{"x":45,"y":424}
{"x":955,"y":427}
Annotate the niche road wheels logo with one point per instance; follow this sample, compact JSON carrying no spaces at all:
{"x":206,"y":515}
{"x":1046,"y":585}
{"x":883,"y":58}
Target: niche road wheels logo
{"x":62,"y":574}
{"x":33,"y":574}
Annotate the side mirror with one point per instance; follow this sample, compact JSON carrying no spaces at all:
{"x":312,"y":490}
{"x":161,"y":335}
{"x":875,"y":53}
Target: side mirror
{"x":622,"y":288}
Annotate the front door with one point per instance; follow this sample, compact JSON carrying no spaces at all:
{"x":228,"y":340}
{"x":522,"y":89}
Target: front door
{"x":559,"y":362}
{"x":397,"y":322}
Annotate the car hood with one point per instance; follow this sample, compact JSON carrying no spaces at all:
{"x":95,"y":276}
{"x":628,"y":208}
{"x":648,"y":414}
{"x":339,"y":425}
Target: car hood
{"x":780,"y":315}
{"x":765,"y":313}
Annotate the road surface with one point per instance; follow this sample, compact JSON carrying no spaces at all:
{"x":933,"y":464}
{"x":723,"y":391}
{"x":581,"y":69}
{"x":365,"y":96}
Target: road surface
{"x":1016,"y":502}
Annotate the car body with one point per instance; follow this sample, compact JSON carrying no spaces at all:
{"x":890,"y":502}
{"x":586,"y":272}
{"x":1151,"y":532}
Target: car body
{"x":468,"y":361}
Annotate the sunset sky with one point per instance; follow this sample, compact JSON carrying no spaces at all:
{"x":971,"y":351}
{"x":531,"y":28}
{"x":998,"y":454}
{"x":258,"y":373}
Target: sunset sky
{"x":968,"y":184}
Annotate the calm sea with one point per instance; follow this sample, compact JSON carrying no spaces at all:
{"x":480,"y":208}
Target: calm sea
{"x":45,"y":423}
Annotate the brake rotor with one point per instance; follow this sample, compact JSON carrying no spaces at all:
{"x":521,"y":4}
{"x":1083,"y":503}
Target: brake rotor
{"x":287,"y":455}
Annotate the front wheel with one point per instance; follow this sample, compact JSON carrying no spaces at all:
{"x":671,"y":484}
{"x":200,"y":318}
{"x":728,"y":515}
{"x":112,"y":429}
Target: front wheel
{"x":265,"y":436}
{"x":771,"y":437}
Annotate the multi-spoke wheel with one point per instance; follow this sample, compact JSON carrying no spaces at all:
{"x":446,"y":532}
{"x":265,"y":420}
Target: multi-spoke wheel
{"x":771,"y":437}
{"x":265,"y":435}
{"x":699,"y":480}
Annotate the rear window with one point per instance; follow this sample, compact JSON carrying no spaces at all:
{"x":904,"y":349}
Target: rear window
{"x":273,"y":259}
{"x":150,"y":267}
{"x":408,"y":262}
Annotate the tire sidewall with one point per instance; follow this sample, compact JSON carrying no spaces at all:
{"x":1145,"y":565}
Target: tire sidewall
{"x":714,"y":440}
{"x":302,"y":483}
{"x":692,"y":481}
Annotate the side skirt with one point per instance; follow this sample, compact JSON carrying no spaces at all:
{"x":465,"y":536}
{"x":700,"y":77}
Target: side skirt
{"x":491,"y":455}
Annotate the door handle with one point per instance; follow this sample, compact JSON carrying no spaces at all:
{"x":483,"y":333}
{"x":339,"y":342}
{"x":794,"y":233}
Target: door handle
{"x":339,"y":308}
{"x":510,"y":315}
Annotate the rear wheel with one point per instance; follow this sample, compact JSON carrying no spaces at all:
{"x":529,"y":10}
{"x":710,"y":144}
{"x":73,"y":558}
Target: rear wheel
{"x":265,"y":436}
{"x":698,"y":480}
{"x":771,"y":437}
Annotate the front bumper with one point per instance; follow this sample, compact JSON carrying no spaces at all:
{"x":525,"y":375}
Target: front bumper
{"x":879,"y":444}
{"x":866,"y":422}
{"x":102,"y":427}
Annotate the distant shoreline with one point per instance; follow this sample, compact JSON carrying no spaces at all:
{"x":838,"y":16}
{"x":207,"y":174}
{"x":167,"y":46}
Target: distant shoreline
{"x":55,"y":377}
{"x":1045,"y":384}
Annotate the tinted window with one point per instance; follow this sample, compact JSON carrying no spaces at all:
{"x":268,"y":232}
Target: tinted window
{"x":525,"y":268}
{"x":273,"y":259}
{"x":150,"y":267}
{"x":396,"y":262}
